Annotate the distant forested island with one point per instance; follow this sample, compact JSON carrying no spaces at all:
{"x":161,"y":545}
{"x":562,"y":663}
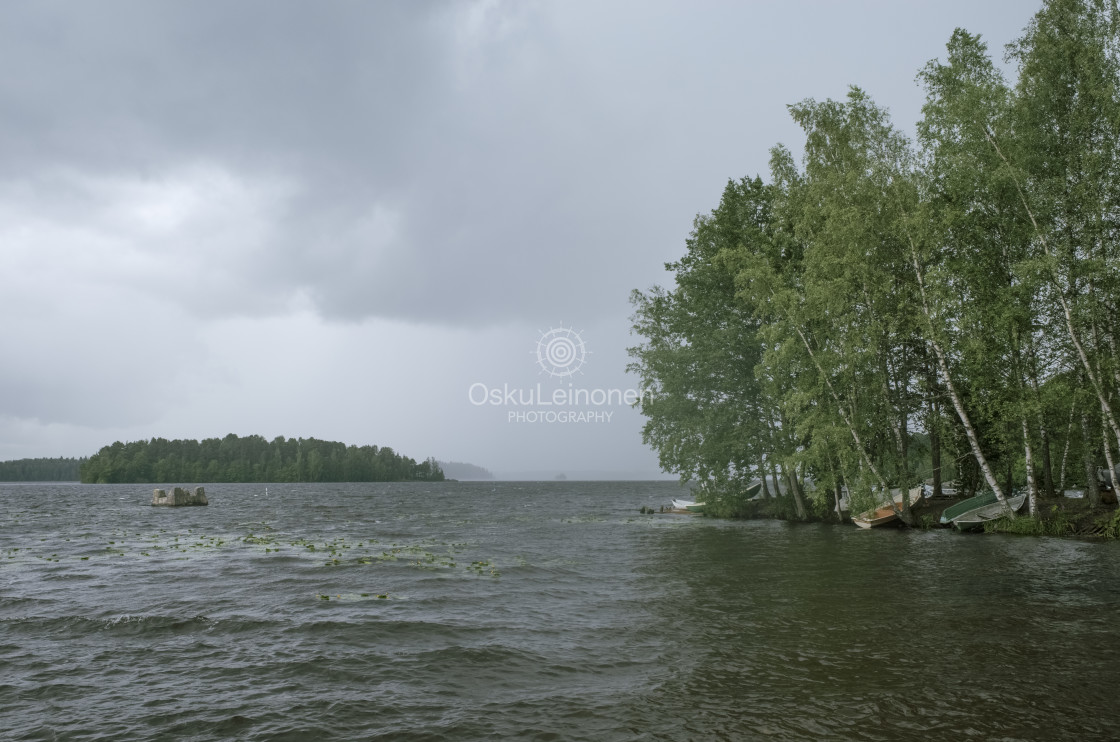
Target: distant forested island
{"x":461,"y":470}
{"x":252,"y":459}
{"x":40,"y":470}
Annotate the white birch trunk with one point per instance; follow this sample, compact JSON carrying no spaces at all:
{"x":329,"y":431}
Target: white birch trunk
{"x":847,"y":421}
{"x":943,"y":367}
{"x":1106,"y":408}
{"x":1032,"y":487}
{"x":1108,"y":458}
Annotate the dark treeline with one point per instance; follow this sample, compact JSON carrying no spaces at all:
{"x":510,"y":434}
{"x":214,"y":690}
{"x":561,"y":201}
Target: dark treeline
{"x":252,"y":459}
{"x":885,"y":310}
{"x":40,"y":470}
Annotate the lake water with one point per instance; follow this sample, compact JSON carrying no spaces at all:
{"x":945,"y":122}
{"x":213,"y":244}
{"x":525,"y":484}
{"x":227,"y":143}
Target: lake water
{"x":540,"y":611}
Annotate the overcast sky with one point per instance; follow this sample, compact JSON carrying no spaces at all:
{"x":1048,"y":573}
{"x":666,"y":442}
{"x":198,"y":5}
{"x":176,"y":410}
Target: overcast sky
{"x":337,"y":219}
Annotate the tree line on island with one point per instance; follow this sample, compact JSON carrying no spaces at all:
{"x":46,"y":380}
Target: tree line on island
{"x":888,"y":311}
{"x":252,"y":459}
{"x":40,"y":470}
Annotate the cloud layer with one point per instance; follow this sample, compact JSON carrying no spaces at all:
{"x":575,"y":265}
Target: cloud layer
{"x":189,"y":191}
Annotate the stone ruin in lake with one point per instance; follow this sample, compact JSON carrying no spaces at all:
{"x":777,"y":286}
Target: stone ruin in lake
{"x":180,"y":496}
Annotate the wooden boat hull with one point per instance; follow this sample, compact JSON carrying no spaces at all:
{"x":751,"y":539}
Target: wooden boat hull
{"x":876,"y":518}
{"x":885,"y":514}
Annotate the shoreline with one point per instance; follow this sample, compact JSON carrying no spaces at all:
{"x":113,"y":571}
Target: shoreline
{"x":1058,"y":516}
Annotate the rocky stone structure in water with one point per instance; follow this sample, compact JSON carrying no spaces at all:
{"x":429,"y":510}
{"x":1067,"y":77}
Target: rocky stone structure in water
{"x":180,"y":496}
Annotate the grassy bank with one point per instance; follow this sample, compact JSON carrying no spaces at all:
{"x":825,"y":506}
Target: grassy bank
{"x":1063,"y":517}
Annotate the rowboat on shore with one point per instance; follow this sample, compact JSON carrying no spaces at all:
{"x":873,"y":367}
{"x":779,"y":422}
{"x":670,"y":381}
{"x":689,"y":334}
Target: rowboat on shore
{"x":688,"y":506}
{"x":886,"y":513}
{"x":753,"y":491}
{"x":974,"y":519}
{"x":967,"y":506}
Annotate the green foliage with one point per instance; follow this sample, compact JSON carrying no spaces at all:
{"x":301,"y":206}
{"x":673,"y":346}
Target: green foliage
{"x":704,"y":413}
{"x":725,"y":501}
{"x":40,"y":470}
{"x":1109,"y":525}
{"x":252,"y":459}
{"x":961,"y":291}
{"x":1054,"y":523}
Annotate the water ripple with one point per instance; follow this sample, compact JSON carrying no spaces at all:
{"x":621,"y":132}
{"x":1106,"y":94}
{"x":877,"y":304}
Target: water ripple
{"x":533,"y":611}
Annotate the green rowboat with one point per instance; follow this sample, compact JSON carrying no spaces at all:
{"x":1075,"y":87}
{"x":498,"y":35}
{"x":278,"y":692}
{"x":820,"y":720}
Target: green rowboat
{"x":955,"y":511}
{"x":974,"y":519}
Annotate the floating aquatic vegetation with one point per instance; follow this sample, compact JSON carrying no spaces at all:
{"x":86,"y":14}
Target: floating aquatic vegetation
{"x":336,"y":553}
{"x":352,"y":597}
{"x":484,"y":566}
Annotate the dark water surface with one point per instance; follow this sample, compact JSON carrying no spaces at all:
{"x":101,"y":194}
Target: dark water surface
{"x":550,"y":611}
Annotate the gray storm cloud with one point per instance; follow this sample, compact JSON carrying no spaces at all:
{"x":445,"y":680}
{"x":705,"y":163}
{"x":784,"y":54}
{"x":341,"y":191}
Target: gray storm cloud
{"x":248,"y":215}
{"x":433,"y":162}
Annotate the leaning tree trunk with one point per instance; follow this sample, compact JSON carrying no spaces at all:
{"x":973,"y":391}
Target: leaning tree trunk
{"x":791,"y":473}
{"x":1092,"y":489}
{"x":835,"y":487}
{"x":935,"y":459}
{"x":933,"y":425}
{"x":844,"y":415}
{"x":774,"y":464}
{"x":791,"y":480}
{"x":903,"y":467}
{"x":1065,"y":452}
{"x":897,"y":422}
{"x":1043,"y":432}
{"x":1025,"y":376}
{"x":1094,"y":379}
{"x":1010,"y":479}
{"x":947,"y":379}
{"x":855,"y":433}
{"x":1108,"y":460}
{"x":1032,"y":489}
{"x":798,"y":498}
{"x":786,"y":472}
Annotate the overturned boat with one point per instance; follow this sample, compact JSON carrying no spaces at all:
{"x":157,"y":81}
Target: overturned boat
{"x":753,"y":491}
{"x":953,"y":512}
{"x":973,"y":520}
{"x":889,"y":511}
{"x":688,"y":506}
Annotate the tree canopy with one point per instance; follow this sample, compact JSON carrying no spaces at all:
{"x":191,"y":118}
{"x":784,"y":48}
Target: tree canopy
{"x":252,"y":459}
{"x":40,"y":470}
{"x":882,"y":299}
